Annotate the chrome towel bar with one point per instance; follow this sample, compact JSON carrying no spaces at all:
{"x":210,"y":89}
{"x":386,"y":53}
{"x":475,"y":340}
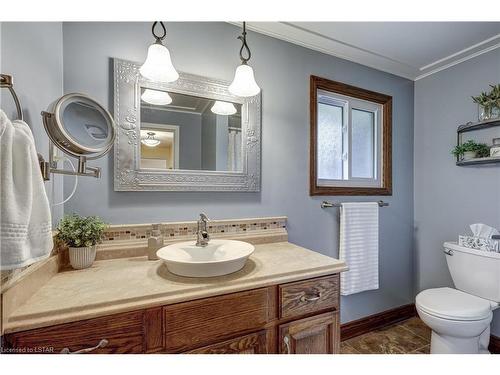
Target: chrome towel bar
{"x":326,"y":204}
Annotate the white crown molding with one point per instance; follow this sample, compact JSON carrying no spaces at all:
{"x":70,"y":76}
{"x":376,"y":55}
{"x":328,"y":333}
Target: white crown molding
{"x":461,"y":56}
{"x":322,"y":43}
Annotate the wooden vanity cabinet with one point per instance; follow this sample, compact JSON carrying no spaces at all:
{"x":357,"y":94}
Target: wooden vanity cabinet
{"x":294,"y":318}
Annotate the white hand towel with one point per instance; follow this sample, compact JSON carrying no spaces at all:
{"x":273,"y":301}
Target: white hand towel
{"x":359,"y":247}
{"x":25,"y":221}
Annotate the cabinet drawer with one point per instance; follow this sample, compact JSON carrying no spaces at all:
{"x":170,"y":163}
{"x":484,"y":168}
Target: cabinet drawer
{"x":193,"y":324}
{"x":310,"y":296}
{"x":123,"y":333}
{"x":254,"y":343}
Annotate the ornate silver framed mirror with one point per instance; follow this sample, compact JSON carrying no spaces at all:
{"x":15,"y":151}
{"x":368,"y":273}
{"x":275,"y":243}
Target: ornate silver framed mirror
{"x":188,"y":135}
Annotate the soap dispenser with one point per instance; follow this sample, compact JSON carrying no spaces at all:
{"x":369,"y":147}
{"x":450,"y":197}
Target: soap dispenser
{"x":155,"y":242}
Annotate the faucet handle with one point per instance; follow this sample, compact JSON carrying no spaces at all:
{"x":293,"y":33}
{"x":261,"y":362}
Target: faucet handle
{"x":204,"y":217}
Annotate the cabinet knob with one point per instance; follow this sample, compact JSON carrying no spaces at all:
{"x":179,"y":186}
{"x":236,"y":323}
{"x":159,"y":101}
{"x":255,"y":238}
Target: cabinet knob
{"x":101,"y":344}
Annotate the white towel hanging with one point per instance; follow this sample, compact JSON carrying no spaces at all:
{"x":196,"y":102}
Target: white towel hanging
{"x":358,"y":246}
{"x":25,"y":221}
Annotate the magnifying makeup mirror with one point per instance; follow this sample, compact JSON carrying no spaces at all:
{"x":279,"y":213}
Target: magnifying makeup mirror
{"x":80,"y":127}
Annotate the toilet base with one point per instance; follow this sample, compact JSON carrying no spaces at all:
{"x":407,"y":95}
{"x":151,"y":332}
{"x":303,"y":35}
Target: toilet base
{"x":443,"y":344}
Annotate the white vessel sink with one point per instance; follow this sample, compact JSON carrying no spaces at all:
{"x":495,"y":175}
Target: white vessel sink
{"x":219,"y":257}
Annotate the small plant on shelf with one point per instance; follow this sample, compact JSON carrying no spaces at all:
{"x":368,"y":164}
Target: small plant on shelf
{"x":81,"y":235}
{"x":489,"y":103}
{"x":470,"y":150}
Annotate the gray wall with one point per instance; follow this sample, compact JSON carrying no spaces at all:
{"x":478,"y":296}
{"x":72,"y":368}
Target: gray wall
{"x":32,"y":52}
{"x":283,"y":71}
{"x":449,"y":198}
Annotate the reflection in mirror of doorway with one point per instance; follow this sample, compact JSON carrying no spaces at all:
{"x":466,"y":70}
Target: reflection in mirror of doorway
{"x":159,"y":146}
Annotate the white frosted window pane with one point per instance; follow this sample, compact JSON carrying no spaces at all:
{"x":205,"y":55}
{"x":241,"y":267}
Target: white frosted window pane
{"x":362,"y":143}
{"x":329,"y":142}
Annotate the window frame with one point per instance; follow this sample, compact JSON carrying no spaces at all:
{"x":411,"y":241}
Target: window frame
{"x":383,"y":144}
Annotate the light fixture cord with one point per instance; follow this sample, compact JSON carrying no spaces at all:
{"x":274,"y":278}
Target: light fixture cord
{"x":164,"y":31}
{"x":243,"y":38}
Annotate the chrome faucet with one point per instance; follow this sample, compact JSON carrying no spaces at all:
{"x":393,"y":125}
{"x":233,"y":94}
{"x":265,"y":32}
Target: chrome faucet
{"x":202,"y":236}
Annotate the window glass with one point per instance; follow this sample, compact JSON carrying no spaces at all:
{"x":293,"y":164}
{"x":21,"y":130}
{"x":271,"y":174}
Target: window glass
{"x":362,"y":144}
{"x":330,"y":142}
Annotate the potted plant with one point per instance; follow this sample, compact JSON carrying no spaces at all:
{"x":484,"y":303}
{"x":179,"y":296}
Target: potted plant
{"x":81,"y":235}
{"x":489,"y":103}
{"x":495,"y":97}
{"x":471,"y":150}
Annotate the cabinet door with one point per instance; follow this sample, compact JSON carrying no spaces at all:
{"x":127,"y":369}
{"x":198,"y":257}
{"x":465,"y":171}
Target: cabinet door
{"x":319,"y":334}
{"x":254,"y":343}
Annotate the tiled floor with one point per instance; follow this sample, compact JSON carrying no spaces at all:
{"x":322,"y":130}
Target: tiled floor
{"x":411,"y":336}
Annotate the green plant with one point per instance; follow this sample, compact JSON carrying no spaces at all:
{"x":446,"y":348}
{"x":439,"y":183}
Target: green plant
{"x":78,"y":231}
{"x":489,"y":99}
{"x":495,"y":94}
{"x":480,"y":149}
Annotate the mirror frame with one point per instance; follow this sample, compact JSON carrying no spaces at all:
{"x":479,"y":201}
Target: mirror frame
{"x":127,"y":174}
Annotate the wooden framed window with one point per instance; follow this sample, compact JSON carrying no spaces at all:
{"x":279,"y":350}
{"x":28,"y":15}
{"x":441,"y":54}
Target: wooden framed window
{"x":351,"y":146}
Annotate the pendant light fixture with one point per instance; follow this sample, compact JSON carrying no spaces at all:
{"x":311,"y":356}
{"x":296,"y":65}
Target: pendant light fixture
{"x":223,"y":108}
{"x":158,"y":66}
{"x":156,"y":97}
{"x":244,"y":81}
{"x":150,"y":140}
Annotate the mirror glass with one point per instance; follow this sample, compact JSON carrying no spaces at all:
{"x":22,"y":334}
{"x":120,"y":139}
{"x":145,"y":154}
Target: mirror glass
{"x":87,"y":124}
{"x":189,"y":132}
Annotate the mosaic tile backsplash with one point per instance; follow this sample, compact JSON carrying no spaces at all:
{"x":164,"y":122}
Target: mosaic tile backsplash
{"x":189,"y":228}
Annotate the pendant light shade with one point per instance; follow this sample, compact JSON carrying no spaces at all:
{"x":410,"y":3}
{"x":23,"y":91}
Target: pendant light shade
{"x":158,"y":66}
{"x":150,"y":140}
{"x":156,"y":97}
{"x":244,"y":84}
{"x":223,"y":108}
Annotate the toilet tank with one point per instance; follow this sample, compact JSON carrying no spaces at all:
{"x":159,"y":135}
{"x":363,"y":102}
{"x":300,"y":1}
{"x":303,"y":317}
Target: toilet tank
{"x":474,"y":271}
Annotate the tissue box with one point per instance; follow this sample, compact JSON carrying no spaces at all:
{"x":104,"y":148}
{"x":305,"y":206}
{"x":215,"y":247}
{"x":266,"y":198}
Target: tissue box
{"x":479,"y":243}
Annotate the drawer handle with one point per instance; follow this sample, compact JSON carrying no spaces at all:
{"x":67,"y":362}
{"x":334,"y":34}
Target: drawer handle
{"x":310,"y":297}
{"x":286,"y":340}
{"x":101,"y":344}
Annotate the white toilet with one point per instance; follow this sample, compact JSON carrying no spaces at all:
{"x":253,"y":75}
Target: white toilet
{"x":460,"y":318}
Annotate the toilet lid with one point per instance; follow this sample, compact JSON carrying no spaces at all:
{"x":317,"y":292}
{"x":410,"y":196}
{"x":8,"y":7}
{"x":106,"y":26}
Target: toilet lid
{"x":448,"y":303}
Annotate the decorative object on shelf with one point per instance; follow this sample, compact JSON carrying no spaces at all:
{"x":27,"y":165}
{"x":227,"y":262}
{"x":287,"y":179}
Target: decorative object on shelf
{"x":156,"y":97}
{"x":81,"y":235}
{"x":495,"y":148}
{"x":470,"y":150}
{"x":150,"y":140}
{"x":244,"y":81}
{"x":483,"y":152}
{"x":223,"y":108}
{"x":488,"y":103}
{"x":158,"y":66}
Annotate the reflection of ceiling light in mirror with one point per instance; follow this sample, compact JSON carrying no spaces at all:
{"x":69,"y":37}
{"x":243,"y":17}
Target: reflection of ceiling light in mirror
{"x":223,"y":108}
{"x":158,"y":66}
{"x":244,"y":81}
{"x":156,"y":97}
{"x":150,"y":140}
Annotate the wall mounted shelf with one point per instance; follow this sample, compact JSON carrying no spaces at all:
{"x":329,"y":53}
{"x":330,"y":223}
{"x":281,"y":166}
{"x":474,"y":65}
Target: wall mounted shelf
{"x":479,"y":161}
{"x":472,"y":126}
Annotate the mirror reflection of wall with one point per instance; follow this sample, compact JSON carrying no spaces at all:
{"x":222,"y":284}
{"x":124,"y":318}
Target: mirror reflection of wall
{"x":195,"y":133}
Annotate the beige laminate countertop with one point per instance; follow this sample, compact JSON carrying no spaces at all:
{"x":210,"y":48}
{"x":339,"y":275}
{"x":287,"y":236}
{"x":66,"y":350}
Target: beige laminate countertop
{"x":118,"y":285}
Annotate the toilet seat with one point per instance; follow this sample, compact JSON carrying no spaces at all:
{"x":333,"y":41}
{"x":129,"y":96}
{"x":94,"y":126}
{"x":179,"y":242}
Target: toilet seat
{"x":452,"y":304}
